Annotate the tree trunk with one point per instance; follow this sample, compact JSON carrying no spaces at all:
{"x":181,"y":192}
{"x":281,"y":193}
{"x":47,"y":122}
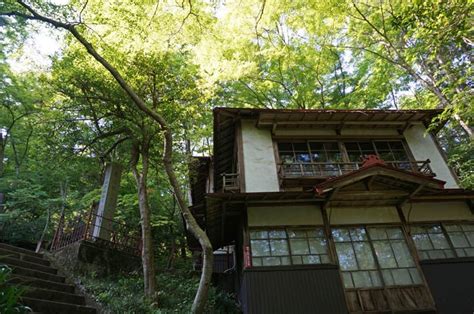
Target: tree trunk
{"x":145,"y":216}
{"x":2,"y":152}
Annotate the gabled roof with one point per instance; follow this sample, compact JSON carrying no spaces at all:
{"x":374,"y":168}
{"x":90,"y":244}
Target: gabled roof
{"x":378,"y":169}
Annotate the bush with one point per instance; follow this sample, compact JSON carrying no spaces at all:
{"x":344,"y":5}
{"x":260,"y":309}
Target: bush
{"x":10,"y":294}
{"x":176,"y":290}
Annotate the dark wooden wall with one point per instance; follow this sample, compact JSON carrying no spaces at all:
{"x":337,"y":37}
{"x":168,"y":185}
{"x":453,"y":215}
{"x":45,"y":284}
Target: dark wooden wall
{"x":452,"y":284}
{"x":312,"y":289}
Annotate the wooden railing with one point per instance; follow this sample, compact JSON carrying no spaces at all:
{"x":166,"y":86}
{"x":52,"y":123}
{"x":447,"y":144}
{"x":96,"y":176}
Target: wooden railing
{"x":230,"y":182}
{"x":119,"y":236}
{"x":334,"y":169}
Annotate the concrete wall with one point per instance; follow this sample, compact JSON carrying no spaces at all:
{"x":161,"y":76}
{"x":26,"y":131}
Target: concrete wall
{"x":362,"y":215}
{"x":260,"y":169}
{"x":439,"y":211}
{"x":423,"y":147}
{"x":290,"y":215}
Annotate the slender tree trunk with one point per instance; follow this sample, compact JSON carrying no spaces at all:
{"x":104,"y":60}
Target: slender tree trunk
{"x":141,"y":177}
{"x":2,"y":152}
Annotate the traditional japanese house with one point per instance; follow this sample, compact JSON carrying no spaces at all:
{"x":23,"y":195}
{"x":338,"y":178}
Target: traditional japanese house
{"x":336,"y":211}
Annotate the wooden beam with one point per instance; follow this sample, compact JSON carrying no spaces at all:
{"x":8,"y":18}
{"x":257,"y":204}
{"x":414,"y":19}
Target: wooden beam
{"x":413,"y":193}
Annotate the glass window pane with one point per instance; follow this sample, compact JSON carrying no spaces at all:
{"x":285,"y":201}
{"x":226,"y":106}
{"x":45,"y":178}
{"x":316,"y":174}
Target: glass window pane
{"x":387,"y":277}
{"x":435,"y":254}
{"x":460,"y":253}
{"x":382,"y":146}
{"x":256,"y":261}
{"x":311,"y":259}
{"x":358,"y":234}
{"x":401,"y":276}
{"x":394,"y":233}
{"x":271,"y":261}
{"x":277,"y":234}
{"x":287,"y":158}
{"x":377,"y":233}
{"x":340,"y":235}
{"x":299,"y":246}
{"x":384,"y":254}
{"x":367,"y":146}
{"x":292,"y":233}
{"x":467,"y":227}
{"x":364,"y":255}
{"x":458,"y":239}
{"x":470,"y":238}
{"x":297,"y":260}
{"x":375,"y":276}
{"x":346,"y":256}
{"x":362,"y":279}
{"x":285,"y":146}
{"x":300,"y":147}
{"x":317,"y":233}
{"x":452,"y":227}
{"x":325,"y":259}
{"x":469,"y":251}
{"x":439,"y":241}
{"x":422,"y":242}
{"x":347,"y":279}
{"x":285,"y":260}
{"x":258,"y":234}
{"x":316,"y":145}
{"x":402,"y":254}
{"x":415,"y":276}
{"x":318,"y":246}
{"x":303,"y":157}
{"x":260,"y":248}
{"x":279,"y":247}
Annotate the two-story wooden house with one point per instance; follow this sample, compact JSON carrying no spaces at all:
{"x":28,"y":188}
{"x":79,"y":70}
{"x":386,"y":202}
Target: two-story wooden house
{"x":337,"y":211}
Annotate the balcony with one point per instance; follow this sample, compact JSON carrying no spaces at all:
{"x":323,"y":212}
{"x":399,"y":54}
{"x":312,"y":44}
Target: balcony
{"x":324,"y":170}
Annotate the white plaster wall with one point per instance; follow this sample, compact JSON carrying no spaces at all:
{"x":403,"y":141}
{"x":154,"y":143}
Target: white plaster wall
{"x":423,"y":147}
{"x":259,"y":159}
{"x":362,"y":215}
{"x":438,"y":211}
{"x":290,"y":215}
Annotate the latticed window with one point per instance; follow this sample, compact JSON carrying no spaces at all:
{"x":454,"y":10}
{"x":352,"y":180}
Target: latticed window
{"x":386,"y":150}
{"x":443,"y":240}
{"x":291,"y":246}
{"x":374,"y":257}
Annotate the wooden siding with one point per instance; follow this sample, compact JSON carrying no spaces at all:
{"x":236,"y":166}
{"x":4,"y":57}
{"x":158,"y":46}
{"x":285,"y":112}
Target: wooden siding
{"x":451,"y":283}
{"x":312,"y":289}
{"x":409,"y":298}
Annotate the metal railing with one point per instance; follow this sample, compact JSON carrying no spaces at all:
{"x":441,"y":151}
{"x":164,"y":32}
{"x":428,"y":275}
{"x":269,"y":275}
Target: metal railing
{"x":334,"y":169}
{"x":112,"y":234}
{"x":230,"y":182}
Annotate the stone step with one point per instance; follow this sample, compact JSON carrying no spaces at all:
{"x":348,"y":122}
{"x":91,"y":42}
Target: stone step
{"x":55,"y":296}
{"x":51,"y":307}
{"x":20,"y":250}
{"x":40,"y":283}
{"x":14,"y":262}
{"x":24,"y":257}
{"x":37,"y":274}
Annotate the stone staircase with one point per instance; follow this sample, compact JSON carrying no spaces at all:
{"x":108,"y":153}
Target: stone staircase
{"x":46,"y":291}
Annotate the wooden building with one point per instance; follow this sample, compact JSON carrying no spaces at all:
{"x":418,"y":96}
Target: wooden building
{"x":336,"y":211}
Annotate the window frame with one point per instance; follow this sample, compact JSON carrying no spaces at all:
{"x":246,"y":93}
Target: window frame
{"x":410,"y":246}
{"x":446,"y":235}
{"x":330,"y":259}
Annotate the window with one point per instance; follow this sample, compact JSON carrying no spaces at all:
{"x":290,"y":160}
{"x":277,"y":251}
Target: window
{"x":310,"y":158}
{"x":291,"y":246}
{"x":374,"y":257}
{"x":385,"y":150}
{"x":443,"y":240}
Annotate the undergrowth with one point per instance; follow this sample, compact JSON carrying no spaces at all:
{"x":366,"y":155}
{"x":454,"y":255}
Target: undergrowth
{"x":176,"y":289}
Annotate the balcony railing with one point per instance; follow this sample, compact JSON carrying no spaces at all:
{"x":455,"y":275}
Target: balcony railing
{"x":119,"y":236}
{"x":334,"y":169}
{"x":230,"y":182}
